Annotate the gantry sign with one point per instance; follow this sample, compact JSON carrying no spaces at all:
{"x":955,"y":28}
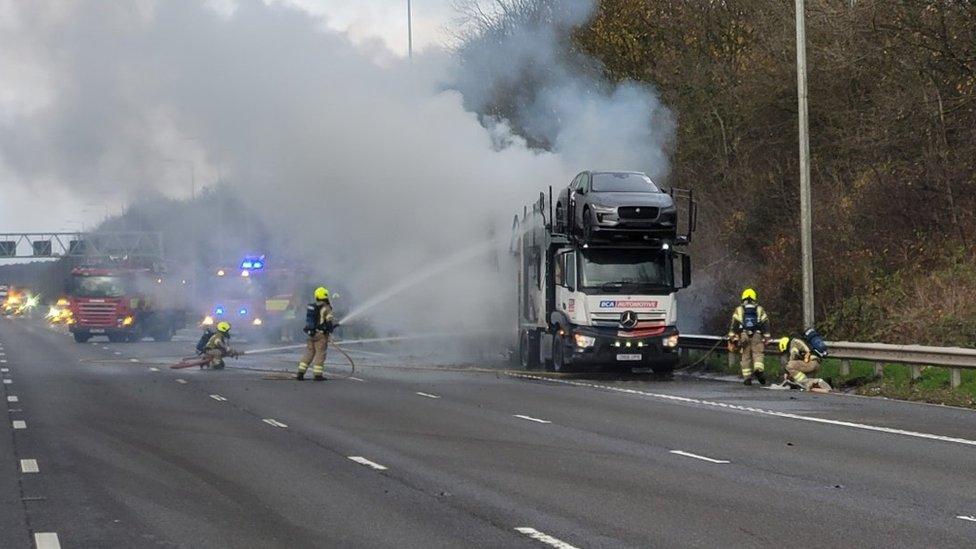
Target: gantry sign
{"x":122,"y":244}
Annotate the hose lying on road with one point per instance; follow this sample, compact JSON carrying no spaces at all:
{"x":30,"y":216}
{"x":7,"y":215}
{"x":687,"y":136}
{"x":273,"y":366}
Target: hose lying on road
{"x":202,"y":360}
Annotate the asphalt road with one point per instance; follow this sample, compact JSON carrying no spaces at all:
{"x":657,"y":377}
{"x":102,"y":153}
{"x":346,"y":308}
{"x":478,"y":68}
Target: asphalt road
{"x":129,"y":453}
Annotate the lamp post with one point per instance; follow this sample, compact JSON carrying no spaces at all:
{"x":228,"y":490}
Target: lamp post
{"x":806,"y":237}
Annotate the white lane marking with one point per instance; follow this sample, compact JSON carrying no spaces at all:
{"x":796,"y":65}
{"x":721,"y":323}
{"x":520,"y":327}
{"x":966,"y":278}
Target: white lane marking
{"x":696,"y":456}
{"x":275,"y":423}
{"x":105,"y":347}
{"x":153,"y":369}
{"x":3,"y":354}
{"x":218,"y":398}
{"x":428,"y":395}
{"x":356,"y":379}
{"x":46,"y":540}
{"x":544,"y":538}
{"x":13,"y":398}
{"x":535,"y":419}
{"x":723,"y":405}
{"x":133,"y":360}
{"x":4,"y":370}
{"x":117,"y":353}
{"x":29,"y":466}
{"x":963,"y":517}
{"x":19,"y":424}
{"x":363,"y":461}
{"x":181,"y":381}
{"x":8,"y":381}
{"x":3,"y":361}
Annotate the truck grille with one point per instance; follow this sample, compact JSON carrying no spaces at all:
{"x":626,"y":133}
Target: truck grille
{"x":96,"y":313}
{"x":614,"y":318}
{"x":635,"y":212}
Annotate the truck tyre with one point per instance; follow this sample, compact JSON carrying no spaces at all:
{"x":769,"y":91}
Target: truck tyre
{"x":665,"y":369}
{"x":117,"y":338}
{"x":558,"y":354}
{"x":81,"y":337}
{"x":529,"y":350}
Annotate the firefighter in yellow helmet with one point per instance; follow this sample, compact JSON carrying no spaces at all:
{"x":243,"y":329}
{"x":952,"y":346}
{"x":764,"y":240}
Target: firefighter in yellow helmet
{"x":801,"y":360}
{"x":748,"y":333}
{"x":319,"y":324}
{"x":218,"y":346}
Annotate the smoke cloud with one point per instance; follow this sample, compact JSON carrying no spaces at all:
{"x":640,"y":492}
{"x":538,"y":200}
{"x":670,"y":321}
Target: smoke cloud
{"x":368,"y":166}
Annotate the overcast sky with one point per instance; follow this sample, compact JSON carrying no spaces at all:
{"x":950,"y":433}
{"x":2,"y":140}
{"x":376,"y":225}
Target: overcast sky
{"x":365,"y":21}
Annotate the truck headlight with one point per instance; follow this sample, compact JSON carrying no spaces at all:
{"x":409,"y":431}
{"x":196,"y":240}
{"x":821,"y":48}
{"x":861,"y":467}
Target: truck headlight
{"x":671,"y":341}
{"x":584,"y":341}
{"x":257,"y":322}
{"x":207,"y":321}
{"x":127,"y":321}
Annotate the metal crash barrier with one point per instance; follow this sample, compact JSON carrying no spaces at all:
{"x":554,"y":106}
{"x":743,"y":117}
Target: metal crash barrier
{"x":914,"y":356}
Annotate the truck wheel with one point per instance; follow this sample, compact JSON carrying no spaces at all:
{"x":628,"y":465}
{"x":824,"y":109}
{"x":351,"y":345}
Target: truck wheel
{"x":529,"y":350}
{"x":81,"y":337}
{"x":558,"y":354}
{"x":666,"y":369}
{"x":117,"y":338}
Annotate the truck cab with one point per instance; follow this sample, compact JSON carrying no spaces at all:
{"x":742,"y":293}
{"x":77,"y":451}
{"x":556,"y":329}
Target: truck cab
{"x":596,"y":305}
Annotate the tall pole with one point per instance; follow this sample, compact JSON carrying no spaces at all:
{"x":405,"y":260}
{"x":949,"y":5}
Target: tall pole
{"x":806,"y":238}
{"x":409,"y":31}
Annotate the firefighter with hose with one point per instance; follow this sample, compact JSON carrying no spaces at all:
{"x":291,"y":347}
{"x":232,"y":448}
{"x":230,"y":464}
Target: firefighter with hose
{"x":803,"y":356}
{"x":319,"y":324}
{"x":748,"y":333}
{"x":218,"y":346}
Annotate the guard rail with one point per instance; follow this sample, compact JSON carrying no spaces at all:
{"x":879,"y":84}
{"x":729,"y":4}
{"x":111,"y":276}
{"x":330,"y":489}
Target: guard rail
{"x":915,"y":356}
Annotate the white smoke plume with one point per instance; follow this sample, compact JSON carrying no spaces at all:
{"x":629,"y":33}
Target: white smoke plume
{"x":369,"y":166}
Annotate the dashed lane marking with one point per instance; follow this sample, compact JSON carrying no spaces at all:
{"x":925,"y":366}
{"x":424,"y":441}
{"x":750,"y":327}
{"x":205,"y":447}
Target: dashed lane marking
{"x":544,"y":538}
{"x":181,"y":381}
{"x":133,"y":360}
{"x":696,"y":456}
{"x":363,"y":461}
{"x":529,"y":418}
{"x":29,"y":466}
{"x":963,"y":517}
{"x":8,"y":381}
{"x":428,"y":395}
{"x":13,"y":398}
{"x":117,"y":353}
{"x":153,"y":369}
{"x":722,"y":405}
{"x":275,"y":423}
{"x":218,"y":398}
{"x":19,"y":424}
{"x":4,"y":370}
{"x":356,"y":379}
{"x":46,"y":540}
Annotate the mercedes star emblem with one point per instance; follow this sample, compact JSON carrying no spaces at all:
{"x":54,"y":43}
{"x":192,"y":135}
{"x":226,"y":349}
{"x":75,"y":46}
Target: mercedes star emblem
{"x":628,"y":319}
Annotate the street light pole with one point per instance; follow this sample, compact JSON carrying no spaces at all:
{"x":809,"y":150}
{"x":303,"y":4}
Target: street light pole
{"x":806,"y":237}
{"x":409,"y":31}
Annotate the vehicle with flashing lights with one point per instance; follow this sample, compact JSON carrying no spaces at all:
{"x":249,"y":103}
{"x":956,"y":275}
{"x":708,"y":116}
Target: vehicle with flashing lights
{"x":259,"y":301}
{"x":126,"y":303}
{"x":19,"y":301}
{"x":60,"y":312}
{"x":587,"y":302}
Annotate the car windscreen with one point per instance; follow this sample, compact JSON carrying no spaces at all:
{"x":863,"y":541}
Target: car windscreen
{"x":622,"y":183}
{"x":626,"y":270}
{"x":97,"y":286}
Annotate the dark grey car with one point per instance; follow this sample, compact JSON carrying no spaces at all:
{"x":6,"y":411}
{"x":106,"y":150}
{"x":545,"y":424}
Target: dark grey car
{"x":615,"y":204}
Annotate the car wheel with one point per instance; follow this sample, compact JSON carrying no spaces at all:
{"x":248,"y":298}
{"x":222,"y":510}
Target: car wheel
{"x":587,"y":225}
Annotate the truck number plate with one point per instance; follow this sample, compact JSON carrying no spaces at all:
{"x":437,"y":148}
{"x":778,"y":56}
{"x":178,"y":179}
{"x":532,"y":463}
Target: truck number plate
{"x":635,"y":357}
{"x":96,"y":331}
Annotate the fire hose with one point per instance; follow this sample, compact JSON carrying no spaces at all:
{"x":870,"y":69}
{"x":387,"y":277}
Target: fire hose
{"x":202,"y":360}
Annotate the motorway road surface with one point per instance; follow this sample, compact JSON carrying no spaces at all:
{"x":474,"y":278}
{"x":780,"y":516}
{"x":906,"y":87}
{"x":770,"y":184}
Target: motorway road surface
{"x":106,"y":447}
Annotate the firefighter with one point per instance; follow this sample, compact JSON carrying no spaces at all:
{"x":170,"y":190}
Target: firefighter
{"x":319,"y":323}
{"x":748,"y":332}
{"x":218,"y":346}
{"x":801,"y":360}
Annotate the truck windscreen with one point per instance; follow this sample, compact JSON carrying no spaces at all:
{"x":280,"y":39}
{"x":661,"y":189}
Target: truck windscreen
{"x":97,"y":286}
{"x":625,"y":270}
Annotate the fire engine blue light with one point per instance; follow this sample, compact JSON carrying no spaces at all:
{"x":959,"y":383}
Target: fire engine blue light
{"x":252,"y":263}
{"x":243,"y":311}
{"x":219,"y":310}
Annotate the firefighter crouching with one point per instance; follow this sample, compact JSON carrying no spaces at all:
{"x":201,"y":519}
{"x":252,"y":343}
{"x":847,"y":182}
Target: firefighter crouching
{"x":218,"y":346}
{"x":748,"y":332}
{"x":804,"y":358}
{"x":319,"y":323}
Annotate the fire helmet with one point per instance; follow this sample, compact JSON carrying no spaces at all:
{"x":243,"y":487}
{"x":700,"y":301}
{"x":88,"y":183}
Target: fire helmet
{"x":321,"y":293}
{"x":749,"y":293}
{"x":223,"y":327}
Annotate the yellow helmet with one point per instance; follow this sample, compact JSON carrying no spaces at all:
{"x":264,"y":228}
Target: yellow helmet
{"x":784,"y":342}
{"x":749,"y":293}
{"x":223,"y":327}
{"x":321,"y":293}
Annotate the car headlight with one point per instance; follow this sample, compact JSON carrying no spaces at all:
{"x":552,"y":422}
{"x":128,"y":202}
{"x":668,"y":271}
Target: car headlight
{"x":584,"y":341}
{"x":671,"y":341}
{"x":207,"y":321}
{"x":257,"y":322}
{"x":603,"y":209}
